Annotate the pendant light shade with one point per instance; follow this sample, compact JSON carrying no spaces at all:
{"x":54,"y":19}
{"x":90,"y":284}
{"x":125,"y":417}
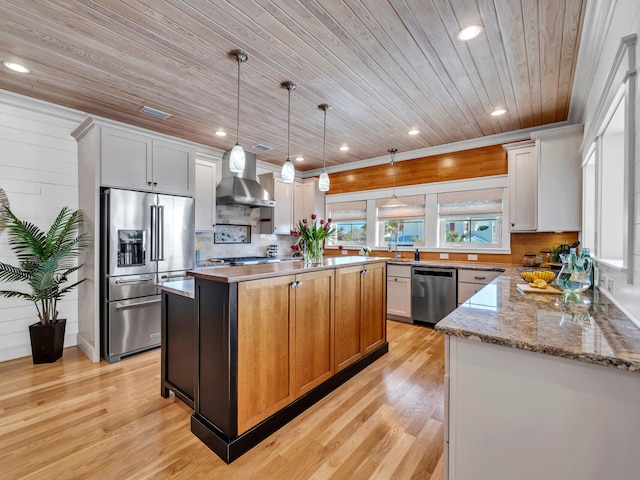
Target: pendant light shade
{"x":236,"y":158}
{"x":323,"y":181}
{"x":288,"y":170}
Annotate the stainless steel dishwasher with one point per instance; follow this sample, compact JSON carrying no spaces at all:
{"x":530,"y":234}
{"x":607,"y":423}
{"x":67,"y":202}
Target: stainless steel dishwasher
{"x":433,"y":294}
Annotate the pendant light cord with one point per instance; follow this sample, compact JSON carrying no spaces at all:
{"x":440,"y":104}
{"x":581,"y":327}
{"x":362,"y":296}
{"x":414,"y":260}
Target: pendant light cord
{"x":288,"y":121}
{"x":324,"y":140}
{"x":238,"y":110}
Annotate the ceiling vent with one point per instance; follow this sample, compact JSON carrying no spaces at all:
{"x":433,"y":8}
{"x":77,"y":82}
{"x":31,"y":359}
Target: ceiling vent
{"x":261,"y":147}
{"x":154,"y":113}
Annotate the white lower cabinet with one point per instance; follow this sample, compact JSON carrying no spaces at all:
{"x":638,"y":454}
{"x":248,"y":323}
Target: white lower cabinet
{"x":471,"y":282}
{"x":399,"y":292}
{"x":514,"y":414}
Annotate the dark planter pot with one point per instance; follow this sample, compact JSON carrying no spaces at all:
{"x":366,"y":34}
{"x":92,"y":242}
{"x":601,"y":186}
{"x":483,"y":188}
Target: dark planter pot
{"x":47,"y":341}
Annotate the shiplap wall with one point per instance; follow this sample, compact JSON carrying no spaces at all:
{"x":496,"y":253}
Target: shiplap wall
{"x":39,"y":173}
{"x":624,"y":20}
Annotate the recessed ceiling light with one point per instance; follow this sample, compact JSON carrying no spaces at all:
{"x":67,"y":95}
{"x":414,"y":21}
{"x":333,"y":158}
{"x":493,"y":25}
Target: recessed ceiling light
{"x":16,"y":67}
{"x":414,"y":132}
{"x":220,"y":133}
{"x":467,"y":33}
{"x":300,"y":159}
{"x":498,"y":112}
{"x":344,"y":148}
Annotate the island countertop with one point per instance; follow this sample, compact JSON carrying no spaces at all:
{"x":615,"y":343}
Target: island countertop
{"x":268,"y":270}
{"x":589,"y":328}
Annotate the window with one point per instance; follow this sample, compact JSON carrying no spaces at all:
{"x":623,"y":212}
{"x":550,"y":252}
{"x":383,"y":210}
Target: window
{"x":471,"y":217}
{"x":350,"y":220}
{"x":400,"y":220}
{"x":612,"y":188}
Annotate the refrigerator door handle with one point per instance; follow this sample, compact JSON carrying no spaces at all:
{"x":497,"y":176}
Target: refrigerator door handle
{"x":160,"y":233}
{"x":154,"y":245}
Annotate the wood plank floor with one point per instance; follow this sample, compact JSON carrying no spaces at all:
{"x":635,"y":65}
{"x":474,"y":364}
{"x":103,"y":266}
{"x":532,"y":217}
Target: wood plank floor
{"x":78,"y":420}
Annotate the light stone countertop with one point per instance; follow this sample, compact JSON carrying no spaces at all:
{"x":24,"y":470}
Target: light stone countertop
{"x":589,"y":328}
{"x":184,"y":288}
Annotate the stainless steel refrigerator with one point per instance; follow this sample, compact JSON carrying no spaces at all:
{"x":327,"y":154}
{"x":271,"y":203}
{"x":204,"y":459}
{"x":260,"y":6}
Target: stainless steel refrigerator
{"x":146,"y":238}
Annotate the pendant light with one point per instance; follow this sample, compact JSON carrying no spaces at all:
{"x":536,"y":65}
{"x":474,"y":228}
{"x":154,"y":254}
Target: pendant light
{"x":236,"y":158}
{"x":288,"y":170}
{"x":393,"y":201}
{"x":323,"y":181}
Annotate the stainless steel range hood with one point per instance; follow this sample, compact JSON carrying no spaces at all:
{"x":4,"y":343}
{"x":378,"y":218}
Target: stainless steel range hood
{"x":242,"y":188}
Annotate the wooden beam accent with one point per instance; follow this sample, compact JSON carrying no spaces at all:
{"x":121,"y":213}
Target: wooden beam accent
{"x":473,"y":163}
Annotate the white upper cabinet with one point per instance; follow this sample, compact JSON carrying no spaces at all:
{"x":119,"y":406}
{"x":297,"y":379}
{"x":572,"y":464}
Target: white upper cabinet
{"x":173,"y":168}
{"x":523,"y":185}
{"x":545,"y":189}
{"x":205,"y":198}
{"x":278,"y":219}
{"x":312,"y":198}
{"x":141,"y":162}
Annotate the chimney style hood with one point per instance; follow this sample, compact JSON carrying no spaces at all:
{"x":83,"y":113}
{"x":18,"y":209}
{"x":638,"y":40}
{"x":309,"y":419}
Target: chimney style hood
{"x":242,"y":188}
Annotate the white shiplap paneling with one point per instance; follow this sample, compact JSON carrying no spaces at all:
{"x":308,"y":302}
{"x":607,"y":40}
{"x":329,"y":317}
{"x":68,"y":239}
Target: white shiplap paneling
{"x":39,"y":173}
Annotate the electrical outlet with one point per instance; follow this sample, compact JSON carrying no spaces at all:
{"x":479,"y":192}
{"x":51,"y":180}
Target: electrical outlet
{"x":472,"y":256}
{"x":345,"y":252}
{"x":444,"y":256}
{"x":610,"y":285}
{"x":602,"y":281}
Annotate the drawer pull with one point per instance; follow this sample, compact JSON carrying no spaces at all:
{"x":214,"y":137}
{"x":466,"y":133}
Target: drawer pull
{"x":478,"y":277}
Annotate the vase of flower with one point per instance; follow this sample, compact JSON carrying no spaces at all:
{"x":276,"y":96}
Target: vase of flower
{"x":310,"y":238}
{"x":312,"y":252}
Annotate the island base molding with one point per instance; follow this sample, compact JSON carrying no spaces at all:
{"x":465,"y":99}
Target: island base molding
{"x":231,"y":449}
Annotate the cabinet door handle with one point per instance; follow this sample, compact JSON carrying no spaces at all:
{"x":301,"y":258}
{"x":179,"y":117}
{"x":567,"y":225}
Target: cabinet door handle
{"x":513,"y":224}
{"x":395,"y":279}
{"x":293,"y":284}
{"x":155,"y":184}
{"x":149,"y":183}
{"x":299,"y":284}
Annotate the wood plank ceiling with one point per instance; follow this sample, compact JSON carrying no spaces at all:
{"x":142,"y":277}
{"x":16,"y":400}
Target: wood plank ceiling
{"x":386,"y":66}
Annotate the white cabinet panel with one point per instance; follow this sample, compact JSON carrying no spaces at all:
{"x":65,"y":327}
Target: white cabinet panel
{"x":125,"y":159}
{"x":205,"y":195}
{"x":545,"y":189}
{"x":278,"y":219}
{"x":173,"y":168}
{"x":399,"y":292}
{"x":141,"y":162}
{"x":523,"y":188}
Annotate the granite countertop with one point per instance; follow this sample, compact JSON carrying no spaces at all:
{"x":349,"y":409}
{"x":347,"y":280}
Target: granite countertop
{"x":184,"y":287}
{"x":588,"y":327}
{"x":244,"y":273}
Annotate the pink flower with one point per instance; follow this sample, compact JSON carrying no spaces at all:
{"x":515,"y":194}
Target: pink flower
{"x":340,"y":247}
{"x":305,"y":227}
{"x":313,"y":216}
{"x":321,"y":222}
{"x":304,"y":220}
{"x":340,"y":239}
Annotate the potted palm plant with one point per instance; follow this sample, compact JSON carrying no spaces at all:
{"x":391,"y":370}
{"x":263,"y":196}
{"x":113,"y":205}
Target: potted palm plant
{"x":45,"y":262}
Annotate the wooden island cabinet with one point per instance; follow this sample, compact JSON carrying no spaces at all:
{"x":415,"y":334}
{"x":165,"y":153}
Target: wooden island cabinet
{"x":271,"y":340}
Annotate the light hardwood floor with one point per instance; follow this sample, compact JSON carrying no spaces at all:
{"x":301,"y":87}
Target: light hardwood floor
{"x":78,"y":420}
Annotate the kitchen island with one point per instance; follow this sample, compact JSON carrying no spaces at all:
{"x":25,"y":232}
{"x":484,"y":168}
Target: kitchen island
{"x":541,"y":386}
{"x":270,"y":340}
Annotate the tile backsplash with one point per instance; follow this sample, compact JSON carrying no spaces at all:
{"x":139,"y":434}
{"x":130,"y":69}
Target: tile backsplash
{"x":241,"y":215}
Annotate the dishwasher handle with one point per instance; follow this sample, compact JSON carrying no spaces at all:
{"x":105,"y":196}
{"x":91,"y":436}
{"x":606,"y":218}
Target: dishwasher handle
{"x":433,"y":273}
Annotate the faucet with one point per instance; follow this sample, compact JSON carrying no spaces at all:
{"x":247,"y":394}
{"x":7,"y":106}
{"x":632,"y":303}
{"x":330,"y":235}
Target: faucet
{"x":396,"y":255}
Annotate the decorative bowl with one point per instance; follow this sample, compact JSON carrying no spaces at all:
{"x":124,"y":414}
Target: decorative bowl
{"x":529,"y":275}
